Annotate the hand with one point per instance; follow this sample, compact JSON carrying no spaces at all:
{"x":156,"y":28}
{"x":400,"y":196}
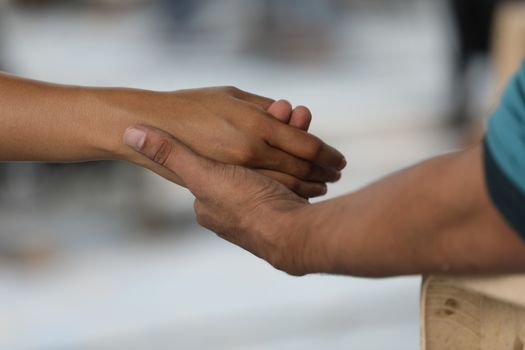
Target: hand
{"x":240,"y":205}
{"x":235,"y":127}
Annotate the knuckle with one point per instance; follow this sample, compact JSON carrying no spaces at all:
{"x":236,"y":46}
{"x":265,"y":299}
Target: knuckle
{"x":313,"y":148}
{"x":199,"y":191}
{"x":231,"y":90}
{"x":302,"y":169}
{"x":201,"y":220}
{"x":162,"y":152}
{"x":256,"y":122}
{"x":282,"y":265}
{"x":245,"y":156}
{"x":309,"y":169}
{"x":295,"y":185}
{"x":201,"y":216}
{"x":276,"y":261}
{"x":197,"y":207}
{"x":296,"y":273}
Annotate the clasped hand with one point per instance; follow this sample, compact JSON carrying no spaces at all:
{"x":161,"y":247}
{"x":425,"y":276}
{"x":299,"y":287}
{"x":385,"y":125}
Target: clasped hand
{"x":231,"y":126}
{"x":241,"y":205}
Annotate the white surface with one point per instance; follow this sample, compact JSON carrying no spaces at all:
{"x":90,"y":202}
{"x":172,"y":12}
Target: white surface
{"x":197,"y":293}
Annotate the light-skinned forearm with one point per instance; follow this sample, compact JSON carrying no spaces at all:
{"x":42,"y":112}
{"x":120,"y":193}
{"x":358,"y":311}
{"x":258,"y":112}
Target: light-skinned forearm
{"x":57,"y":123}
{"x":46,"y":122}
{"x":435,"y":217}
{"x":43,"y":122}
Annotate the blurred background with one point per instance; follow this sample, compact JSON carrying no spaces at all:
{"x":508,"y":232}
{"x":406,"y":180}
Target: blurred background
{"x":107,"y":256}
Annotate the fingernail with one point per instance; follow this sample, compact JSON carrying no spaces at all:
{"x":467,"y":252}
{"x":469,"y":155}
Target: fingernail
{"x":135,"y":138}
{"x":342,"y":165}
{"x":337,"y":176}
{"x":285,"y":101}
{"x":323,"y":189}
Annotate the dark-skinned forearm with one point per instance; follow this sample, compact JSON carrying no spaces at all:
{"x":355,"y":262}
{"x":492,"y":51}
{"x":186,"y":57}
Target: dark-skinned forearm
{"x":434,"y":217}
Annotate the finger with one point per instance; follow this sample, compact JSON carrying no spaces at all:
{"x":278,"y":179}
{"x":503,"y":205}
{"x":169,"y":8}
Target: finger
{"x":159,"y":146}
{"x":307,"y":171}
{"x":301,"y":118}
{"x":302,"y":188}
{"x":281,"y":110}
{"x":304,"y":145}
{"x":261,"y":101}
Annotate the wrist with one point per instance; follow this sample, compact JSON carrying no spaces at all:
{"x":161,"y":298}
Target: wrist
{"x":111,"y":112}
{"x":313,"y":243}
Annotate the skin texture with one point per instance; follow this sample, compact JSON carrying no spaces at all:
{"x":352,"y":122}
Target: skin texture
{"x":431,"y":218}
{"x":56,"y":123}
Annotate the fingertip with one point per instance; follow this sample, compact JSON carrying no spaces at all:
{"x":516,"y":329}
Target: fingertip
{"x":317,"y":190}
{"x":343,"y":164}
{"x":301,"y":118}
{"x":303,"y":109}
{"x":281,"y":110}
{"x":331,"y":175}
{"x":323,"y":189}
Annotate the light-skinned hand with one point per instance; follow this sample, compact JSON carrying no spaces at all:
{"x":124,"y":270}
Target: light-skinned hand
{"x":235,"y":127}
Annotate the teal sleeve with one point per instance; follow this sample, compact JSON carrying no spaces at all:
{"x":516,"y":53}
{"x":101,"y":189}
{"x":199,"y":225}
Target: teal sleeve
{"x":504,"y":155}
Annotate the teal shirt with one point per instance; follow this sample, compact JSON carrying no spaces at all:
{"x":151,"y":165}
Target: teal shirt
{"x":504,"y":159}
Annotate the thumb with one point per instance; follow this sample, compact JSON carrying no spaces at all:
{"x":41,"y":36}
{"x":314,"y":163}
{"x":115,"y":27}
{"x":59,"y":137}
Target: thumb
{"x":159,"y":146}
